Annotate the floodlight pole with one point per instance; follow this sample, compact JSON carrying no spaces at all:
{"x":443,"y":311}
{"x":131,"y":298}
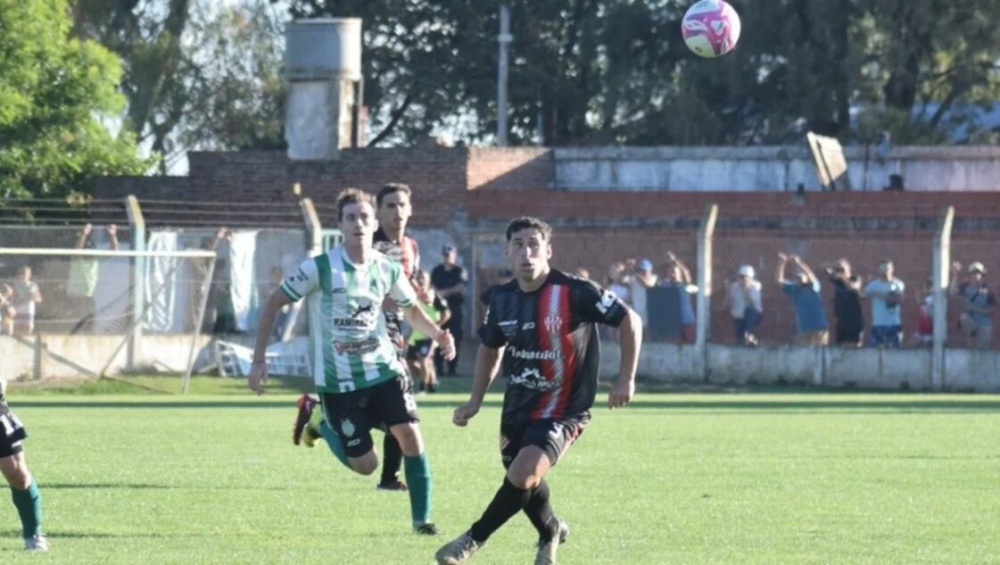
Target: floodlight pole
{"x":504,"y":40}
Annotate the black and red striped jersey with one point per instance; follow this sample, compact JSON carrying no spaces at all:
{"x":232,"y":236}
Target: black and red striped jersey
{"x":552,"y":353}
{"x":406,"y":252}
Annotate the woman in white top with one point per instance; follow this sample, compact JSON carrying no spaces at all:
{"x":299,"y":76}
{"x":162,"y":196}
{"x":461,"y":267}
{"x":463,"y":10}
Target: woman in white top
{"x":745,"y":306}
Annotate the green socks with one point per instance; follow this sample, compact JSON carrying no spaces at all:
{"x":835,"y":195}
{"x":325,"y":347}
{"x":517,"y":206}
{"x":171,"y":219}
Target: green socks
{"x":29,"y":508}
{"x":334,"y":443}
{"x":418,"y":480}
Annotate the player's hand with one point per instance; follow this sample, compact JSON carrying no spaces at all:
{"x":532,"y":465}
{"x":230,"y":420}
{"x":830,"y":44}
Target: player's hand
{"x":447,"y":344}
{"x":257,"y":379}
{"x":621,"y":394}
{"x":464,"y":413}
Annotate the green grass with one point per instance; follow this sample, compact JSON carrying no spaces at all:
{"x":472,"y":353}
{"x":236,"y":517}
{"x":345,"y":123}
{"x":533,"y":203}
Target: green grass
{"x":133,"y":476}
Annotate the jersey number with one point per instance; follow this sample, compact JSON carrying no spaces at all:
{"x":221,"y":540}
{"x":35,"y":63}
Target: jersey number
{"x":10,"y":423}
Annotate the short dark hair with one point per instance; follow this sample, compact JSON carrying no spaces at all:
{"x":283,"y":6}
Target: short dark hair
{"x":350,"y":196}
{"x":391,"y":188}
{"x":526,"y":223}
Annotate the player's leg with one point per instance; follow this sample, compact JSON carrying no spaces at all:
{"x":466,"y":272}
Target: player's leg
{"x":27,"y":500}
{"x":23,"y":488}
{"x":347,"y":426}
{"x":392,"y":461}
{"x":399,"y":412}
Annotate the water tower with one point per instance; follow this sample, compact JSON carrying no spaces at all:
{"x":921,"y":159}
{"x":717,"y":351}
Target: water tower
{"x":323,"y":69}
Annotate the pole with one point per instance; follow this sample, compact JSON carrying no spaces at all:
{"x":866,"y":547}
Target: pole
{"x":504,"y":40}
{"x":705,"y":234}
{"x":941,"y":265}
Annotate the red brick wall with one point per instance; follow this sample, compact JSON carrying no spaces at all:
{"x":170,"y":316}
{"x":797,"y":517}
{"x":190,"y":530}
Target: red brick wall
{"x":510,"y":168}
{"x":498,"y":183}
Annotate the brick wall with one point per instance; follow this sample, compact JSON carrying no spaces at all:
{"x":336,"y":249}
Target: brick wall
{"x":487,"y":186}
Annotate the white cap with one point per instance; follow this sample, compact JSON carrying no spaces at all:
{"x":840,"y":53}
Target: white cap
{"x":746,"y":270}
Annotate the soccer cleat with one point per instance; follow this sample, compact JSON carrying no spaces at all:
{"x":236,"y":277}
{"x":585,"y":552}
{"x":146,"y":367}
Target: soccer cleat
{"x":36,"y":543}
{"x":304,"y":431}
{"x":395,"y":484}
{"x":547,"y":550}
{"x":427,"y":529}
{"x":457,"y":551}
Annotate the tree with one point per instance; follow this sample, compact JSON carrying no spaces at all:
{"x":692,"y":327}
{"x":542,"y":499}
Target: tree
{"x":57,"y":98}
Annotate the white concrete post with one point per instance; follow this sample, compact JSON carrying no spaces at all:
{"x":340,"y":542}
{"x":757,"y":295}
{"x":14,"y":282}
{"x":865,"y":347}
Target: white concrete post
{"x":137,"y":227}
{"x":941,"y":269}
{"x":702,"y":318}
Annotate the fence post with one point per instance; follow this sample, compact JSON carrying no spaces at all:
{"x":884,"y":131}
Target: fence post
{"x":314,"y":229}
{"x":702,"y":320}
{"x":941,"y":268}
{"x":137,"y":225}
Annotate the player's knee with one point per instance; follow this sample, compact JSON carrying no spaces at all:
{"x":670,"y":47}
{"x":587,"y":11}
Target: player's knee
{"x":522,"y":480}
{"x":408,"y":436}
{"x":365,"y":465}
{"x":16,"y":475}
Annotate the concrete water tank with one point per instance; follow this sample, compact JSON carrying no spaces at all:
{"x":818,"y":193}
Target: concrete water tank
{"x":323,"y":70}
{"x":323,"y":48}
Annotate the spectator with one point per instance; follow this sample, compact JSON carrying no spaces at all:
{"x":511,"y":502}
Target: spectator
{"x":83,"y":273}
{"x":925,"y":320}
{"x":811,"y":327}
{"x":618,"y":282}
{"x":504,"y":277}
{"x":7,"y":310}
{"x":849,"y":326}
{"x":420,"y":348}
{"x":582,"y":273}
{"x":449,"y":280}
{"x":745,"y":306}
{"x":275,"y":278}
{"x":679,"y":276}
{"x":886,"y":294}
{"x":220,"y":297}
{"x":26,"y":295}
{"x":976,"y":321}
{"x":642,"y":279}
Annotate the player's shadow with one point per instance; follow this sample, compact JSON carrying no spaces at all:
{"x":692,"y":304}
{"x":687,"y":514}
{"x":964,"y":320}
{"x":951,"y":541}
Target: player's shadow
{"x":142,"y":404}
{"x":91,"y":486}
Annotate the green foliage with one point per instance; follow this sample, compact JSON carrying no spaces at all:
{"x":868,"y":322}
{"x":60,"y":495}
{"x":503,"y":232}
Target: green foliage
{"x":57,"y":97}
{"x":617,"y":71}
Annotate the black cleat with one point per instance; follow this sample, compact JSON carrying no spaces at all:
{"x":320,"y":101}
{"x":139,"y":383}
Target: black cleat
{"x":427,"y":529}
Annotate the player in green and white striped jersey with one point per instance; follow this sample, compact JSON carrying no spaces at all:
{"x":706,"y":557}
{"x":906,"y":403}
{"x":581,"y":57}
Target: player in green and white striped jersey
{"x":361,"y":381}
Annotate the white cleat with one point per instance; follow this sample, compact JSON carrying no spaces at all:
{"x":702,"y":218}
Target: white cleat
{"x":36,"y":543}
{"x":457,"y":551}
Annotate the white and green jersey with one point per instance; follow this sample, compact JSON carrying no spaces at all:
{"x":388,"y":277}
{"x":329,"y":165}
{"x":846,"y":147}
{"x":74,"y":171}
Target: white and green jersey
{"x":349,"y":338}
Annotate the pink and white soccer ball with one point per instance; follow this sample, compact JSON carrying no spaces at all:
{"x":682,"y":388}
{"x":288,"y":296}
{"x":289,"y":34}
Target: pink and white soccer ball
{"x":711,"y":28}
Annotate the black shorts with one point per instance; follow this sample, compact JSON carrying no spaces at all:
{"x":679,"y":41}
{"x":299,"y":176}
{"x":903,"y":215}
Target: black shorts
{"x":419,"y":350}
{"x":353,"y":415}
{"x":12,"y":431}
{"x":554,"y":437}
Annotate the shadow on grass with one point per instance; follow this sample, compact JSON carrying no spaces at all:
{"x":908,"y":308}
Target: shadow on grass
{"x":88,"y":486}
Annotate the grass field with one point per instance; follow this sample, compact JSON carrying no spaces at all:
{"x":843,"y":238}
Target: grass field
{"x":129,"y":475}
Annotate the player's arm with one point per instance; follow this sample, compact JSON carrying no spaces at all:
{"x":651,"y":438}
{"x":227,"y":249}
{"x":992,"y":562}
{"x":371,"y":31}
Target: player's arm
{"x":401,"y":291}
{"x":420,"y":321}
{"x":294,"y":288}
{"x":488,"y":358}
{"x":598,"y":305}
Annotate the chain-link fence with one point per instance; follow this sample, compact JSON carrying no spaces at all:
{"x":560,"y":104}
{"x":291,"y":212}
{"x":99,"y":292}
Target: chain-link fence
{"x":843,"y":253}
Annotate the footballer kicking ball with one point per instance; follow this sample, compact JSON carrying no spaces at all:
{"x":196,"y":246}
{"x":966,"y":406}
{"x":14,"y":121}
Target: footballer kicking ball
{"x":711,"y":28}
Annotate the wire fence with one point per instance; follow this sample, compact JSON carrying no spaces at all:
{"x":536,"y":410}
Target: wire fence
{"x":639,"y":264}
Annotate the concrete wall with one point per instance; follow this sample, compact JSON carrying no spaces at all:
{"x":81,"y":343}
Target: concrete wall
{"x":65,"y":356}
{"x":900,"y":369}
{"x":769,"y":169}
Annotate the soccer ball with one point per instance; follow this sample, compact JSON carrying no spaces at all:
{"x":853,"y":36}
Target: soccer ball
{"x":711,"y":28}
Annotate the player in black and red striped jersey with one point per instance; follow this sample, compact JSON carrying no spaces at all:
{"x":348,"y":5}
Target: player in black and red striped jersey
{"x":540,"y":331}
